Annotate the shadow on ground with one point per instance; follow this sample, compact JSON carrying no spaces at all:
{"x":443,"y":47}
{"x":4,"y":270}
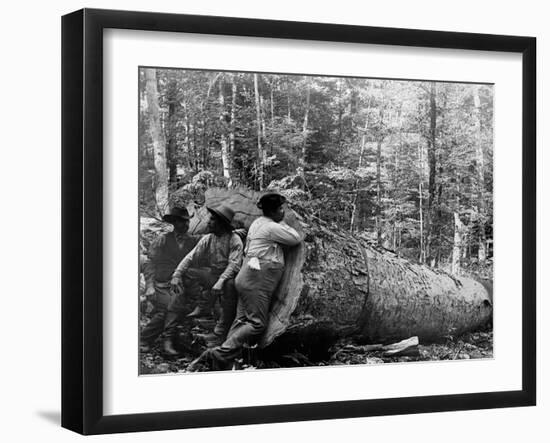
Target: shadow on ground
{"x":54,"y":417}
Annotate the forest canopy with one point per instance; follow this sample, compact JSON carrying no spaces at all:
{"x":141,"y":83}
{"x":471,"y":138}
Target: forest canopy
{"x":408,"y":164}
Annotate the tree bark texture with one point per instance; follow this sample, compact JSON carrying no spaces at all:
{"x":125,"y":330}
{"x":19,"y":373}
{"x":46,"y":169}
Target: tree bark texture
{"x":159,"y":143}
{"x":261,"y":155}
{"x":223,"y":136}
{"x":356,"y":194}
{"x":339,"y":284}
{"x":480,"y":165}
{"x":304,"y":127}
{"x":233,"y":107}
{"x":378,"y":192}
{"x":172,"y":158}
{"x":432,"y":160}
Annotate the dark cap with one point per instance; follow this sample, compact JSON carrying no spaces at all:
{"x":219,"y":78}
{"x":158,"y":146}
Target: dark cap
{"x":271,"y":201}
{"x":176,"y":214}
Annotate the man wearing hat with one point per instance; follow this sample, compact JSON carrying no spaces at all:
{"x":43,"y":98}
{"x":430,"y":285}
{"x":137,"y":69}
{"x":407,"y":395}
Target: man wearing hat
{"x":213,"y":264}
{"x":257,"y":280}
{"x":164,"y":255}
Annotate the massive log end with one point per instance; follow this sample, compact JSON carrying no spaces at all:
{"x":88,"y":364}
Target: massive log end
{"x":336,"y":284}
{"x":406,"y":299}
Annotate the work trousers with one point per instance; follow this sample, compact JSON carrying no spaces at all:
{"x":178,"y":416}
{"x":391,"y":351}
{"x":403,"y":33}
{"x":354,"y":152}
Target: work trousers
{"x":255,"y":289}
{"x":197,"y":284}
{"x":170,"y":308}
{"x":155,"y":326}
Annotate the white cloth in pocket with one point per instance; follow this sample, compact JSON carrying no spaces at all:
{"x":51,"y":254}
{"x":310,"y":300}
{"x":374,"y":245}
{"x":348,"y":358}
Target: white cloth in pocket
{"x":254,"y":263}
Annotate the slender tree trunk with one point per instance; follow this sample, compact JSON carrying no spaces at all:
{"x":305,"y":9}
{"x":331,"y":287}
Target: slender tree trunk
{"x":196,"y":153}
{"x":262,"y":117}
{"x":432,"y":170}
{"x":340,"y":112}
{"x":352,"y":106}
{"x":379,"y":181}
{"x":159,"y":142}
{"x":223,"y":137}
{"x":379,"y":192}
{"x":356,"y":194}
{"x":171,"y":131}
{"x":289,"y":117}
{"x":205,"y":114}
{"x":457,"y":245}
{"x":261,"y":155}
{"x":396,"y":184}
{"x":304,"y":127}
{"x":420,"y":203}
{"x":233,"y":110}
{"x":480,"y":166}
{"x":272,"y":106}
{"x":187,"y":140}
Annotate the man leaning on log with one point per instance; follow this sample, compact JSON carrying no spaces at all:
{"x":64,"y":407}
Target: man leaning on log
{"x":256,"y":281}
{"x":212,"y":266}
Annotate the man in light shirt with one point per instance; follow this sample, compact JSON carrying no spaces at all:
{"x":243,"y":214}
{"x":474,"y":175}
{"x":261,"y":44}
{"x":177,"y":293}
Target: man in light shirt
{"x":257,"y":280}
{"x":212,"y":265}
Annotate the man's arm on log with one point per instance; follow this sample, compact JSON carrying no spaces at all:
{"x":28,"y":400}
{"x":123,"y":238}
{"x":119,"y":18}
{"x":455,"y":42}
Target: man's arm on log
{"x":284,"y":234}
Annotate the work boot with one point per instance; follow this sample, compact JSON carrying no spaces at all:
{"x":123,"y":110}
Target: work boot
{"x":199,"y":312}
{"x":211,"y":339}
{"x":205,"y":305}
{"x":145,"y":347}
{"x":169,"y":348}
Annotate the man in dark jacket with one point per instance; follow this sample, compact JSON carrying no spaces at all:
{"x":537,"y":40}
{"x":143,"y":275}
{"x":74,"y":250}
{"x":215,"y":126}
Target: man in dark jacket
{"x":164,"y":255}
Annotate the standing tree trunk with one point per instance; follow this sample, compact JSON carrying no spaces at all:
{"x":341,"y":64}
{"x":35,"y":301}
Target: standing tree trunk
{"x":262,"y":114}
{"x":206,"y":115}
{"x":480,"y":166}
{"x":379,"y":192}
{"x":457,"y":245}
{"x":223,"y":137}
{"x":356,"y":194}
{"x":304,"y":127}
{"x":420,"y":204}
{"x":233,"y":110}
{"x":289,"y":117}
{"x":159,"y":143}
{"x":261,"y":154}
{"x":171,"y":130}
{"x":272,"y":103}
{"x":430,"y":221}
{"x":187,"y":140}
{"x":196,"y":154}
{"x":340,"y":112}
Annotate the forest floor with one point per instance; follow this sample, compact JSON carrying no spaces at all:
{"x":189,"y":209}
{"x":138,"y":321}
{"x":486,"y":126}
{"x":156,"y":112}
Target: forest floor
{"x":472,"y":345}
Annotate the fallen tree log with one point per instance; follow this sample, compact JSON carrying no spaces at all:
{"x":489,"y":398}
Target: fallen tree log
{"x":336,"y":284}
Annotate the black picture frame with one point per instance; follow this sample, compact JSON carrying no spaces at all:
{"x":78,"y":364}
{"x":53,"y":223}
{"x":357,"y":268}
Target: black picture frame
{"x":82,"y":218}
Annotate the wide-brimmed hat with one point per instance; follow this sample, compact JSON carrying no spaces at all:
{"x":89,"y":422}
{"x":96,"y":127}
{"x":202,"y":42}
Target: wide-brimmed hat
{"x":176,"y":214}
{"x":271,"y":200}
{"x":224,"y":213}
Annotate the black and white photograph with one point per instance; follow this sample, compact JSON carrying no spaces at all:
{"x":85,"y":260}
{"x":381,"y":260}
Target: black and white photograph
{"x":289,"y":220}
